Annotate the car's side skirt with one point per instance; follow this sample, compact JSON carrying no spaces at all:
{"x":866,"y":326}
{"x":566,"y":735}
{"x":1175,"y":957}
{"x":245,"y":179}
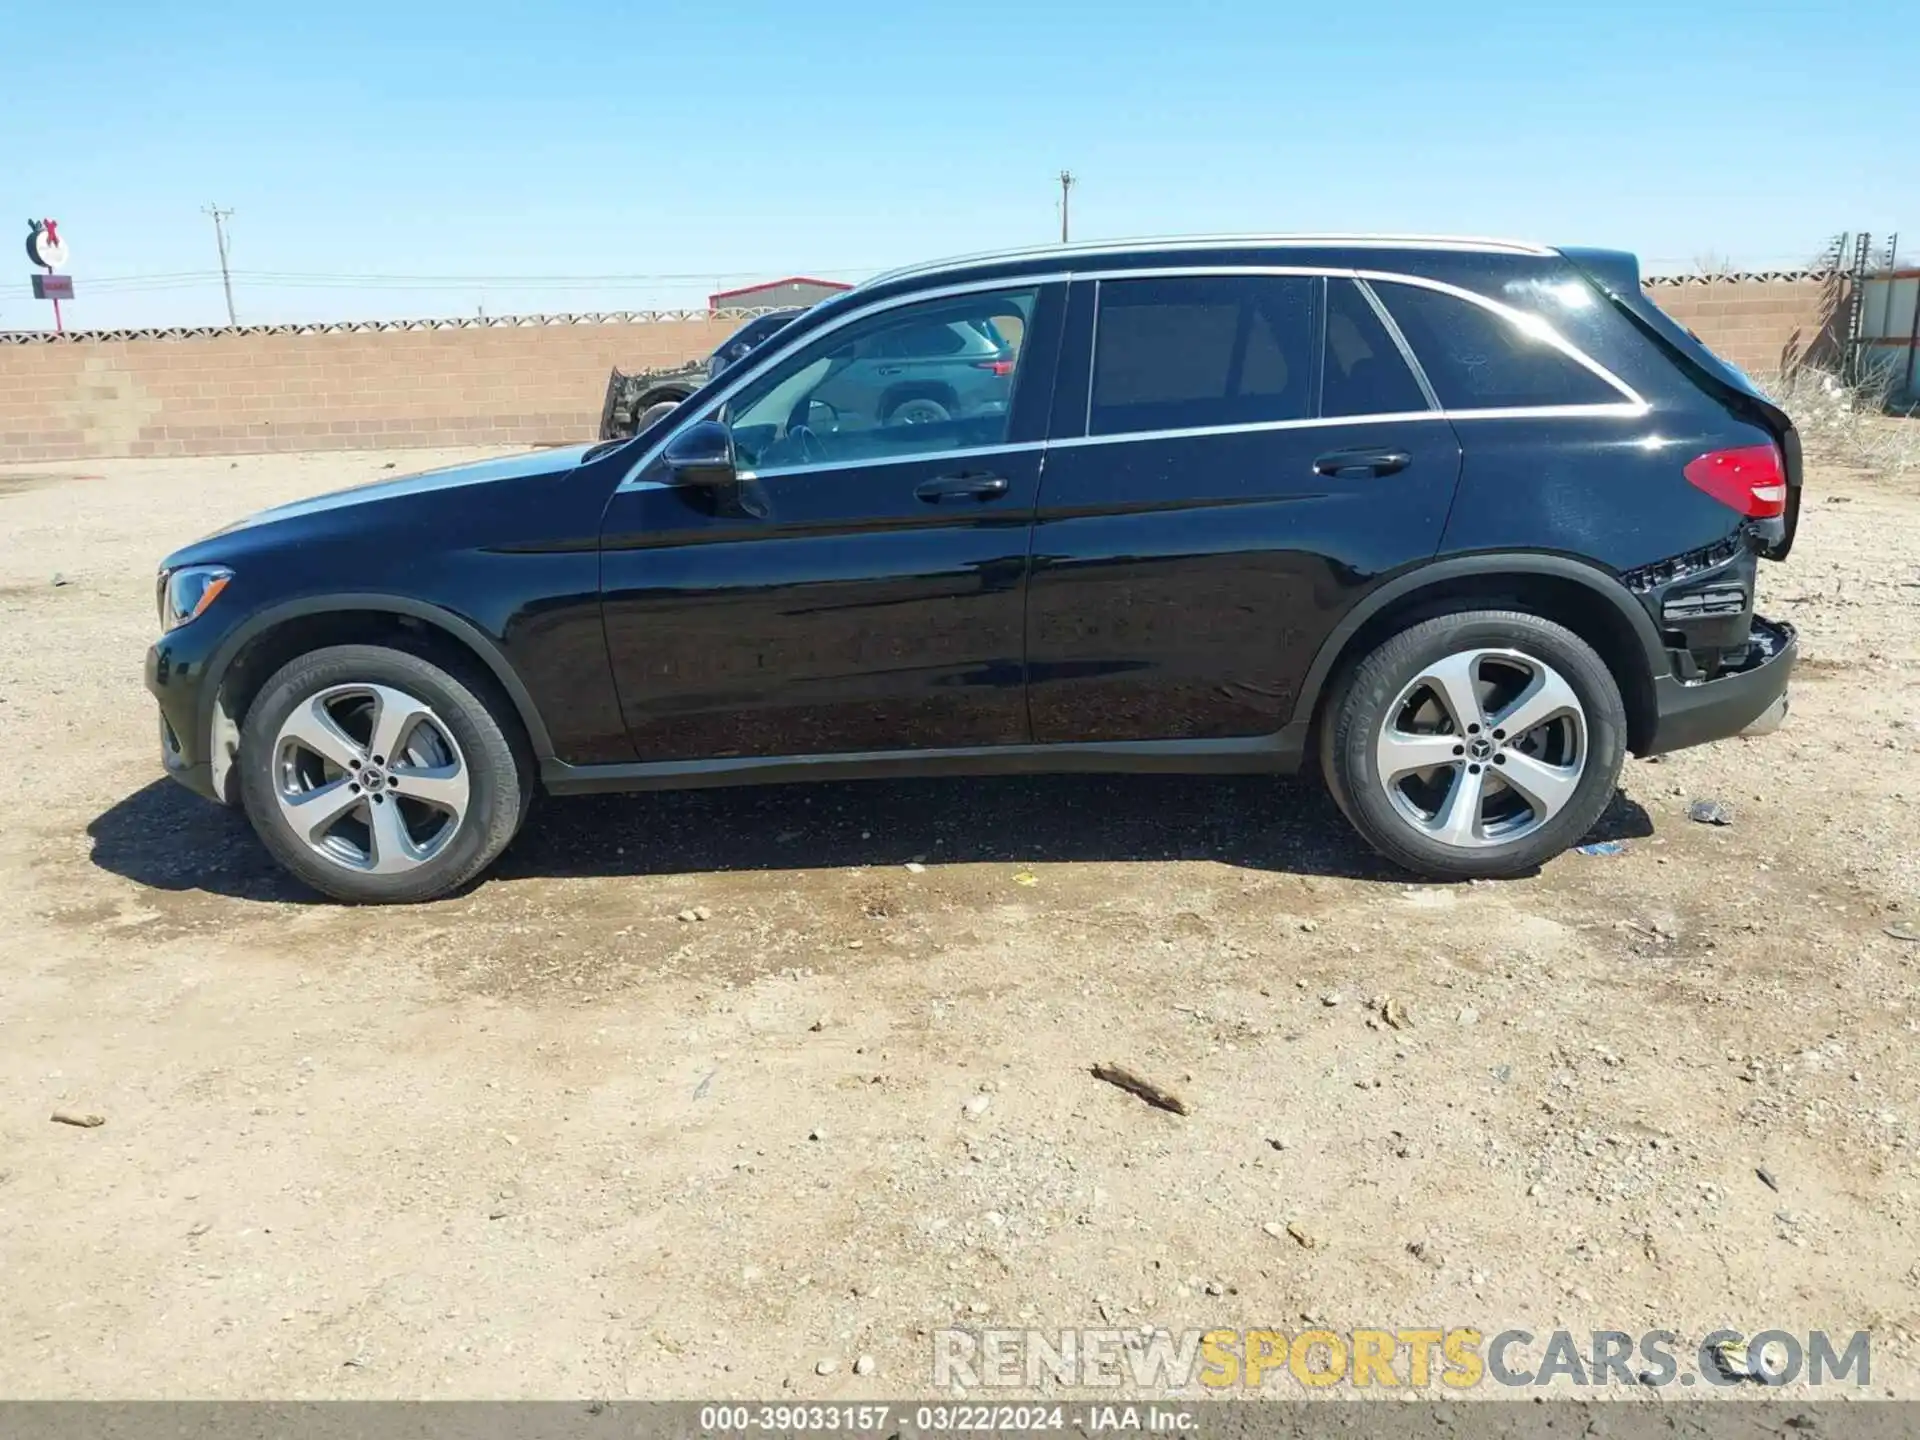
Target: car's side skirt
{"x":1279,"y":753}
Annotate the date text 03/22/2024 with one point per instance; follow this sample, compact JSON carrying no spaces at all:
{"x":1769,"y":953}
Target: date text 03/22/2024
{"x":942,"y":1419}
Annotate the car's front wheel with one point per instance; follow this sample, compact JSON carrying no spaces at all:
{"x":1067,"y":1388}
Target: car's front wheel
{"x":378,"y":776}
{"x":1476,"y":745}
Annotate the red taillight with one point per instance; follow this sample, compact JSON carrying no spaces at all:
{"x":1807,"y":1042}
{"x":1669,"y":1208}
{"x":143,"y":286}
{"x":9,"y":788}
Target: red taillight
{"x":1751,"y":479}
{"x":1002,"y":368}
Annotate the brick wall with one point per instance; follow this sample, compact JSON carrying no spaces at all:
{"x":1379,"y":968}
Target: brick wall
{"x":1763,"y":324}
{"x":233,"y":392}
{"x":226,"y":392}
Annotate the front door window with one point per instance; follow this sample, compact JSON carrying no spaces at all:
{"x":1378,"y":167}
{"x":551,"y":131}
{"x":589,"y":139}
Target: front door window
{"x":917,"y":380}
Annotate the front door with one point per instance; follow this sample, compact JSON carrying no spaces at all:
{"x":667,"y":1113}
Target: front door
{"x":1247,"y":452}
{"x":862,"y":587}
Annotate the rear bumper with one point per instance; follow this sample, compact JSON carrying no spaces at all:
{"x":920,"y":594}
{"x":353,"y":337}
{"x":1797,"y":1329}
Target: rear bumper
{"x":1696,"y":712}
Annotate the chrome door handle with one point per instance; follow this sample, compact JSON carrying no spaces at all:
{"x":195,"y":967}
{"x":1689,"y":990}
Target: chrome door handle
{"x":1353,"y":464}
{"x":952,"y":487}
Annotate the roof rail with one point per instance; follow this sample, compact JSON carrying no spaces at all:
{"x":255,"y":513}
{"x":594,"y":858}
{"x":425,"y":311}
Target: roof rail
{"x":1211,"y":242}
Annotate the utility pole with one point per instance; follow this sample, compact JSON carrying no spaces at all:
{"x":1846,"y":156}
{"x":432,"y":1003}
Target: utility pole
{"x":1066,"y":190}
{"x":220,"y":217}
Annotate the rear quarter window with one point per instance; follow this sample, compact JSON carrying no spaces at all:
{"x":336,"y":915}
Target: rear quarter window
{"x":1364,"y":372}
{"x":1477,"y":359}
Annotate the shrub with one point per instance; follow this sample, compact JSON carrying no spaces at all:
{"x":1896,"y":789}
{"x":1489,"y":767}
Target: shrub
{"x":1848,"y":423}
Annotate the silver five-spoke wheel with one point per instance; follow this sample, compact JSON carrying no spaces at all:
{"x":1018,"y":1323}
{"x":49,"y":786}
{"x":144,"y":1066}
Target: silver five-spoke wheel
{"x":1482,"y":747}
{"x":370,"y":778}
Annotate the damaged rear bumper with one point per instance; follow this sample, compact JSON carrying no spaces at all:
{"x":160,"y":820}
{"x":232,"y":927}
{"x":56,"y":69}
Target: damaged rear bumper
{"x":1694,"y":712}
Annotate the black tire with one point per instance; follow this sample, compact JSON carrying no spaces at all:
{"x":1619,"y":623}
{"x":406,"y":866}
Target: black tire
{"x":937,"y":400}
{"x":498,"y":768}
{"x":1356,"y":715}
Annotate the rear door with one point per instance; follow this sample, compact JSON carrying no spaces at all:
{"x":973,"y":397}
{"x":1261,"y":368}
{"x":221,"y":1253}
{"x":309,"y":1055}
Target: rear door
{"x":1235,"y":456}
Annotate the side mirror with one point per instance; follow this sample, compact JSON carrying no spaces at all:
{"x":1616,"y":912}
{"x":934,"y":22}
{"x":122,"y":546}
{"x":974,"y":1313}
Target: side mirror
{"x":702,"y":455}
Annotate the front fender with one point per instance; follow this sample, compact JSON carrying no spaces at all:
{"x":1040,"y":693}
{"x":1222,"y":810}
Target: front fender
{"x":454,"y":627}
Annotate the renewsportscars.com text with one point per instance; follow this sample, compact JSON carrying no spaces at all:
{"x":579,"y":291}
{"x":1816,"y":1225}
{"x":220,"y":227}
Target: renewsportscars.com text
{"x":1451,"y":1358}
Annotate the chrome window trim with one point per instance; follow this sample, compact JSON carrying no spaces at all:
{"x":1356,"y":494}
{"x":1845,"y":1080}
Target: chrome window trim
{"x":1529,"y":324}
{"x":1631,"y":403}
{"x":1630,"y":406}
{"x":1603,"y":410}
{"x":764,"y":360}
{"x":1101,"y":277}
{"x":972,"y":452}
{"x":1616,"y":410}
{"x":1149,"y":272}
{"x":1093,"y":362}
{"x":1407,"y":357}
{"x":1472,"y":244}
{"x":1250,"y":427}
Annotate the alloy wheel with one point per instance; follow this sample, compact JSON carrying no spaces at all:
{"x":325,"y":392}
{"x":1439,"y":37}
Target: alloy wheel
{"x":370,"y":778}
{"x":1482,"y":747}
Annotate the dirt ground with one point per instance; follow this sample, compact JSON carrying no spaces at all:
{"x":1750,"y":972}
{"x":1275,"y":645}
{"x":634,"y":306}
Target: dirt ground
{"x":548,"y":1139}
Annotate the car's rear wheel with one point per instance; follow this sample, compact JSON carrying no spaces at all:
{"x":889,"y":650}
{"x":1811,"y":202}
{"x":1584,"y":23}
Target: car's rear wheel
{"x":378,"y":776}
{"x":1476,"y":745}
{"x":918,"y":410}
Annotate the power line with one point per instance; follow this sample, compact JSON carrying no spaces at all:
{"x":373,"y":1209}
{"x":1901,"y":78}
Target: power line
{"x":295,"y":279}
{"x":548,"y":275}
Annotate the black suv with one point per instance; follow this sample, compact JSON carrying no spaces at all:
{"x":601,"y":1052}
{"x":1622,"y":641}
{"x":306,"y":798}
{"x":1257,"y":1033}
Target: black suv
{"x":1459,"y":522}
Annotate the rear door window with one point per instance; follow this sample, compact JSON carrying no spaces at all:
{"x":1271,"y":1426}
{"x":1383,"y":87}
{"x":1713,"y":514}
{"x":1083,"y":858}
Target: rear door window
{"x":1185,"y":352}
{"x":1365,"y":373}
{"x":1477,"y":359}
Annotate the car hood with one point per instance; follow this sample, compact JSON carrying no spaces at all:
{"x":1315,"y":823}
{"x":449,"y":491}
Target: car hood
{"x":454,"y":478}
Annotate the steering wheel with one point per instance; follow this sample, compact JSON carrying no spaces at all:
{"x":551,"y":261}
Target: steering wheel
{"x":812,"y":452}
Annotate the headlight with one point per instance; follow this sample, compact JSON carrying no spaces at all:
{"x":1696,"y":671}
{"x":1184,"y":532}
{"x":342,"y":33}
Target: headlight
{"x":187,"y":592}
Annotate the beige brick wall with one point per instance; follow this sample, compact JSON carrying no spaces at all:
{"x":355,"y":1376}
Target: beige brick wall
{"x":236,"y":393}
{"x":1757,"y":324}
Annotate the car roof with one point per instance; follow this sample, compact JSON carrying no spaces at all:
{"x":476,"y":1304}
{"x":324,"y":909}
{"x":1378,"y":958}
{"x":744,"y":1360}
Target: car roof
{"x":1474,"y":261}
{"x":1158,"y":250}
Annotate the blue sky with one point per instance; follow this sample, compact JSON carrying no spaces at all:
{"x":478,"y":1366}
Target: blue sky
{"x":687,"y":147}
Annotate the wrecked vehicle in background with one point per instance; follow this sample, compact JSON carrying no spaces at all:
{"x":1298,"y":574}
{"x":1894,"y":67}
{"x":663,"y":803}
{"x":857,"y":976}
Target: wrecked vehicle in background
{"x":635,"y":401}
{"x":932,"y":374}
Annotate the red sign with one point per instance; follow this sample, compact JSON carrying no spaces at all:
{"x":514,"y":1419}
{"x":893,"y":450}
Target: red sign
{"x":53,"y":287}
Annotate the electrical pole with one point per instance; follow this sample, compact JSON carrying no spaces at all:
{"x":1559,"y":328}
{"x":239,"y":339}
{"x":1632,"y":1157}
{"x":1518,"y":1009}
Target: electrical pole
{"x":1066,"y":189}
{"x":220,"y":217}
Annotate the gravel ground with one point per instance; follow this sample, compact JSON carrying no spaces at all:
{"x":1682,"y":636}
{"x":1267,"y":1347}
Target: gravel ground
{"x":551,"y":1139}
